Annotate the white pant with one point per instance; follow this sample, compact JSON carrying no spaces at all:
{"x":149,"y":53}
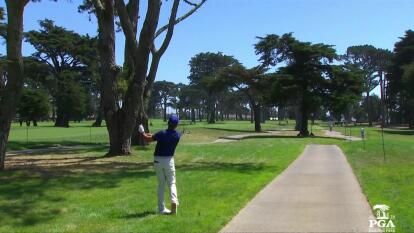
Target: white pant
{"x":165,"y":170}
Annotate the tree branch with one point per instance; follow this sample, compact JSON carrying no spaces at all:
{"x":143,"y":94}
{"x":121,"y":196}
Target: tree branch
{"x":190,"y":3}
{"x":127,"y":26}
{"x":178,"y":20}
{"x":170,"y":28}
{"x":133,"y":12}
{"x":98,"y":5}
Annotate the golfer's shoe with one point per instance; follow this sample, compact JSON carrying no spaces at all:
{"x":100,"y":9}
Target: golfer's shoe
{"x":165,"y":211}
{"x":174,"y":208}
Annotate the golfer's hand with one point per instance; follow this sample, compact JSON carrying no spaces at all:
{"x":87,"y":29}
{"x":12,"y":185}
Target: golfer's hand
{"x":148,"y":137}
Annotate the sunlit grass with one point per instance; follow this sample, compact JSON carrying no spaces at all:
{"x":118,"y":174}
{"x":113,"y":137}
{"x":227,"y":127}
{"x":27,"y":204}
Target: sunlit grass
{"x":85,"y":191}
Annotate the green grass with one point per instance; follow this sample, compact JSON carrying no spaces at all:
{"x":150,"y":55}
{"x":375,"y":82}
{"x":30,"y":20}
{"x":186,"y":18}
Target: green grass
{"x":389,"y":182}
{"x":119,"y":194}
{"x":46,"y":135}
{"x":84,"y":191}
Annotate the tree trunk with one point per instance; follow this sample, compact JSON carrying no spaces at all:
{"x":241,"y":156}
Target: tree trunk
{"x":137,"y":138}
{"x":211,"y":111}
{"x":212,"y":116}
{"x":11,"y":94}
{"x":119,"y":144}
{"x":53,"y":112}
{"x":304,"y":132}
{"x":193,"y":116}
{"x":123,"y":122}
{"x":251,"y":114}
{"x":4,"y":136}
{"x":280,"y":114}
{"x":99,"y":117}
{"x":298,"y":118}
{"x":410,"y":114}
{"x":369,"y":103}
{"x":257,"y":117}
{"x":200,"y":115}
{"x":264,"y":113}
{"x":61,"y":120}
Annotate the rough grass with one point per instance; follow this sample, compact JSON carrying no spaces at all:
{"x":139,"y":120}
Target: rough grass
{"x":389,"y":182}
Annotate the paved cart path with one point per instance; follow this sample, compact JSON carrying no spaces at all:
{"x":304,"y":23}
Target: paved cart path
{"x":335,"y":134}
{"x":316,"y":193}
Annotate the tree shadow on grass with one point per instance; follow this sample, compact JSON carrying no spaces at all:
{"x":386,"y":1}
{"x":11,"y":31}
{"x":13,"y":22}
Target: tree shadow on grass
{"x":33,"y":196}
{"x":215,"y":166}
{"x":59,"y":151}
{"x":405,"y":132}
{"x":20,"y":145}
{"x":290,"y":137}
{"x":231,"y":130}
{"x":37,"y":194}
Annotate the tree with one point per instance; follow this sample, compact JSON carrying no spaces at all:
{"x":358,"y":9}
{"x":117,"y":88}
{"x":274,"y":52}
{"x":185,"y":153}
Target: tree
{"x":383,"y":63}
{"x":11,"y":93}
{"x":235,"y":103}
{"x":143,"y":60}
{"x":365,"y":58}
{"x":250,"y":83}
{"x":344,"y":89}
{"x":191,"y":97}
{"x":34,"y":105}
{"x":304,"y":77}
{"x":204,"y":68}
{"x":375,"y":105}
{"x":399,"y":91}
{"x":72,"y":99}
{"x":408,"y":81}
{"x":68,"y":55}
{"x":165,"y":90}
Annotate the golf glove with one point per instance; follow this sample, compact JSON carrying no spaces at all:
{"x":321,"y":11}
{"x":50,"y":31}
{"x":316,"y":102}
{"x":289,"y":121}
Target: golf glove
{"x":141,"y":129}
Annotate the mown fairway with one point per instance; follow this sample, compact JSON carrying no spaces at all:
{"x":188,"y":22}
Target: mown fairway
{"x":84,"y":191}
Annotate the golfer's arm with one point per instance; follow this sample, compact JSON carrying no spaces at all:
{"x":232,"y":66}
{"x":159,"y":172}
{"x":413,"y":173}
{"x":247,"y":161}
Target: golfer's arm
{"x":148,"y":137}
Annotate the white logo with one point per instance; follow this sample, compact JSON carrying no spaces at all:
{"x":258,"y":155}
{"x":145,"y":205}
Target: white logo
{"x":384,"y":219}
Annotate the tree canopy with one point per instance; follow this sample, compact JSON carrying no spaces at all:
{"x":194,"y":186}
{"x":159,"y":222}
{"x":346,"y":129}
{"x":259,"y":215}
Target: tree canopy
{"x":304,"y":77}
{"x":71,"y":59}
{"x":204,"y":73}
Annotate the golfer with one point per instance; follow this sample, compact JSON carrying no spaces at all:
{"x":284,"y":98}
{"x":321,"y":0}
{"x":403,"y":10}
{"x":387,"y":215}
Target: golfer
{"x":167,"y":141}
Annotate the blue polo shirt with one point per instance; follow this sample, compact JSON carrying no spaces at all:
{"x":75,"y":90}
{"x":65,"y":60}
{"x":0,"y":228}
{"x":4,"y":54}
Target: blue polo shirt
{"x":167,"y":141}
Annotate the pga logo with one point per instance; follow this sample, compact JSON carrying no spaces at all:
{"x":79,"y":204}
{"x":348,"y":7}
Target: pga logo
{"x":384,"y":220}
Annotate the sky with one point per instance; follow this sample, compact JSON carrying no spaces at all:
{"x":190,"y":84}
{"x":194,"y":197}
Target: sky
{"x":231,"y":26}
